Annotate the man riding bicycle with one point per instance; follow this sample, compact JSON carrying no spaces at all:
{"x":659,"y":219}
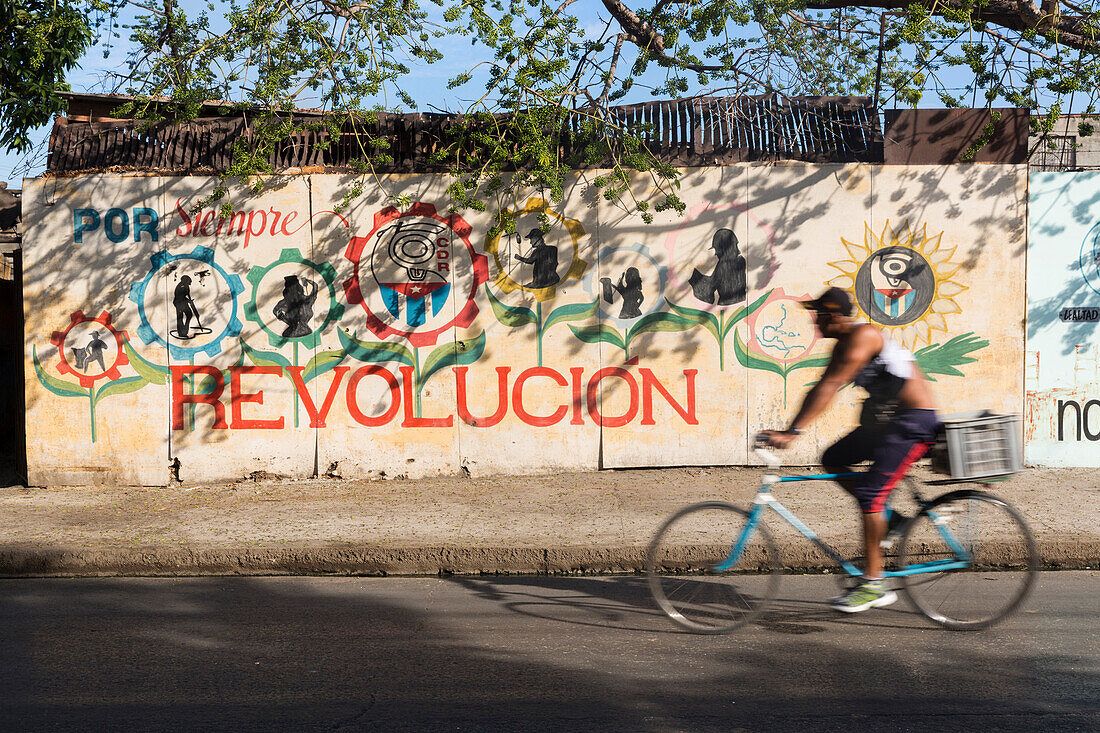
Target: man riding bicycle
{"x":897,"y":426}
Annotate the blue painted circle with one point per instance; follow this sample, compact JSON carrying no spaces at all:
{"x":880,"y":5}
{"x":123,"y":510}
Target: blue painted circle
{"x":149,"y":334}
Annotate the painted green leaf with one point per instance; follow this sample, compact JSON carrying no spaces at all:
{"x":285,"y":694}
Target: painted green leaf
{"x":752,"y":361}
{"x":810,"y":363}
{"x":264,"y":358}
{"x":59,"y":387}
{"x":944,"y":358}
{"x":375,"y":351}
{"x":451,"y":354}
{"x":743,"y":313}
{"x":150,"y":372}
{"x":708,"y":320}
{"x":510,"y":315}
{"x":571,"y":312}
{"x":596,"y":334}
{"x":660,"y":322}
{"x":323,"y":362}
{"x":121,"y":386}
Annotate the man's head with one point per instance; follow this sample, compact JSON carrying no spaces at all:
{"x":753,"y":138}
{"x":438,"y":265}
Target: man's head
{"x":832,"y":311}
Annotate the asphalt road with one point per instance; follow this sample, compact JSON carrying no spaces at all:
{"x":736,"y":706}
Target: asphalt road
{"x":523,"y":653}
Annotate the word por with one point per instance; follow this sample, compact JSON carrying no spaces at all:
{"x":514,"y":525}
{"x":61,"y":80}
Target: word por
{"x":580,"y":398}
{"x":116,"y":223}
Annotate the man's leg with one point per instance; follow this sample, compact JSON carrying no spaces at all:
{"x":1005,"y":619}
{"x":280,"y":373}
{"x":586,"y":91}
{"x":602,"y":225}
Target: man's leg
{"x":874,"y":529}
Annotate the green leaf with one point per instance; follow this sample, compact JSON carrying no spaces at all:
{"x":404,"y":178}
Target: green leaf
{"x":511,"y":316}
{"x":743,"y":313}
{"x":660,"y":322}
{"x":57,"y":386}
{"x":323,"y":362}
{"x":121,"y":386}
{"x":150,"y":372}
{"x":462,"y":352}
{"x":752,"y":361}
{"x":264,"y":358}
{"x":943,"y":358}
{"x":708,"y":320}
{"x":596,"y":334}
{"x":375,"y":351}
{"x":810,"y":363}
{"x":571,"y":312}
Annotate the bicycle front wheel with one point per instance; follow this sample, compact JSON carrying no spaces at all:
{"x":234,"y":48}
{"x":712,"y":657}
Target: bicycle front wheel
{"x":696,"y":580}
{"x":986,"y":534}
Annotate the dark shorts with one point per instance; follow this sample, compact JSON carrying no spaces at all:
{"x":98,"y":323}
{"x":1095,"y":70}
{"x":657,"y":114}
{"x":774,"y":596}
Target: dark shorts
{"x":891,"y":450}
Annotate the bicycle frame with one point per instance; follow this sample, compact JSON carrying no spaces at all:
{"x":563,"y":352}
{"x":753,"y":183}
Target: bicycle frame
{"x":764,"y":499}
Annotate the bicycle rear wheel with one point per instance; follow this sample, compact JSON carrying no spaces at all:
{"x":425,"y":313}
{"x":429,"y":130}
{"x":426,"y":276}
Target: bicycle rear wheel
{"x":987,"y":534}
{"x":691,"y":576}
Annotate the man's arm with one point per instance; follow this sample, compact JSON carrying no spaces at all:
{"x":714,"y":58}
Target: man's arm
{"x":843,"y":367}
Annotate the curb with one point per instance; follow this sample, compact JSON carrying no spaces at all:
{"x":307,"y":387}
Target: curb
{"x":422,"y":561}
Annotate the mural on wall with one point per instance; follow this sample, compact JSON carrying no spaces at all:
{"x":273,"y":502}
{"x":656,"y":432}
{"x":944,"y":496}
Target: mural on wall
{"x":401,"y":326}
{"x":1062,"y":361}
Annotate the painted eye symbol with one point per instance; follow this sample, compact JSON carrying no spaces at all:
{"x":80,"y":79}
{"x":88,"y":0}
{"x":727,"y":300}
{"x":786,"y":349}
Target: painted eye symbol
{"x":894,"y":266}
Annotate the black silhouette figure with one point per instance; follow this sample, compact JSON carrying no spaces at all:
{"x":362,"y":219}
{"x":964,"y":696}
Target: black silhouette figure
{"x":728,"y":278}
{"x":544,"y":261}
{"x":92,"y":352}
{"x":629,"y":288}
{"x":296,"y":307}
{"x":186,"y":311}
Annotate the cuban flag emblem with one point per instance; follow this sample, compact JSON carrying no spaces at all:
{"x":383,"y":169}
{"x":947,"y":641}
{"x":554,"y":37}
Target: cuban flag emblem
{"x":894,"y":301}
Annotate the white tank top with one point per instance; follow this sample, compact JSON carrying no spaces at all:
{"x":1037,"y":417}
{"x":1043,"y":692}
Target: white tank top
{"x":885,"y":374}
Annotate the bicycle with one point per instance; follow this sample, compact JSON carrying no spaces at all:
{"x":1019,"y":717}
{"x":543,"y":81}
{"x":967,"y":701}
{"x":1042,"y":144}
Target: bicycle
{"x":713,"y":567}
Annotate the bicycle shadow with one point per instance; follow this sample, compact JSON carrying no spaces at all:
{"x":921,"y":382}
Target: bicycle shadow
{"x":624,"y":602}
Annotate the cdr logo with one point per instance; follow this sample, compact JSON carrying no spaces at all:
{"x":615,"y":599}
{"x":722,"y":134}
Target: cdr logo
{"x":417,"y":260}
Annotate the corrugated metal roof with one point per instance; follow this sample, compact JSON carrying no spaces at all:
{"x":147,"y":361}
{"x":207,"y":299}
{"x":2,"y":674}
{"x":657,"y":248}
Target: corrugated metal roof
{"x":700,"y":131}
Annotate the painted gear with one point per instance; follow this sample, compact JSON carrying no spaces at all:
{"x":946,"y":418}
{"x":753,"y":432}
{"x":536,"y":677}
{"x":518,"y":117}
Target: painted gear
{"x":57,"y":338}
{"x":335,"y":309}
{"x":353,"y":289}
{"x":577,"y":266}
{"x":148,"y":334}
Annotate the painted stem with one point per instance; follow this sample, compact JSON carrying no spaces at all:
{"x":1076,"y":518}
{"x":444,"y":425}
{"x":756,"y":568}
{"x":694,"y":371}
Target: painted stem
{"x":295,"y":391}
{"x":192,"y":407}
{"x":721,"y":341}
{"x":538,"y":324}
{"x":91,"y":409}
{"x":416,"y":380}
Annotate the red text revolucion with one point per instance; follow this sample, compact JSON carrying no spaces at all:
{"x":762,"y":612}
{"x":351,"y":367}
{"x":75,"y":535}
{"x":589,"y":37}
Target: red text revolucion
{"x":579,"y":397}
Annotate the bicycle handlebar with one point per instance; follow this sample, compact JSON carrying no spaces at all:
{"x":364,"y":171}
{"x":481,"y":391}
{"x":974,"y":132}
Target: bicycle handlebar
{"x":760,"y":448}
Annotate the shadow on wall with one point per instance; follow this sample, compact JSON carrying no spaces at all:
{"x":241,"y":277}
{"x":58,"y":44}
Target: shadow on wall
{"x":309,"y":654}
{"x":756,"y":217}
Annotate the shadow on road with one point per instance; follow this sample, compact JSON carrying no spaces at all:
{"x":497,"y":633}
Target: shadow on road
{"x":349,"y":654}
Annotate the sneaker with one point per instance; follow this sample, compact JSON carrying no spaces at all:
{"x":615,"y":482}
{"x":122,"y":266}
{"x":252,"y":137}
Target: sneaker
{"x":868,"y":594}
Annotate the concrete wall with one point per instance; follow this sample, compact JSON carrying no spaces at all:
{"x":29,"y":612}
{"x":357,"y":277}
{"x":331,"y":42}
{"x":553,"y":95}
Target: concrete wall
{"x":1062,"y":361}
{"x":409,"y":342}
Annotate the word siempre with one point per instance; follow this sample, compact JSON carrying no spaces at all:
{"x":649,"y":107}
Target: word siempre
{"x":578,"y":398}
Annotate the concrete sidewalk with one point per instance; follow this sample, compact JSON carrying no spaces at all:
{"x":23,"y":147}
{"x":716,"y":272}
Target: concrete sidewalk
{"x":563,"y":523}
